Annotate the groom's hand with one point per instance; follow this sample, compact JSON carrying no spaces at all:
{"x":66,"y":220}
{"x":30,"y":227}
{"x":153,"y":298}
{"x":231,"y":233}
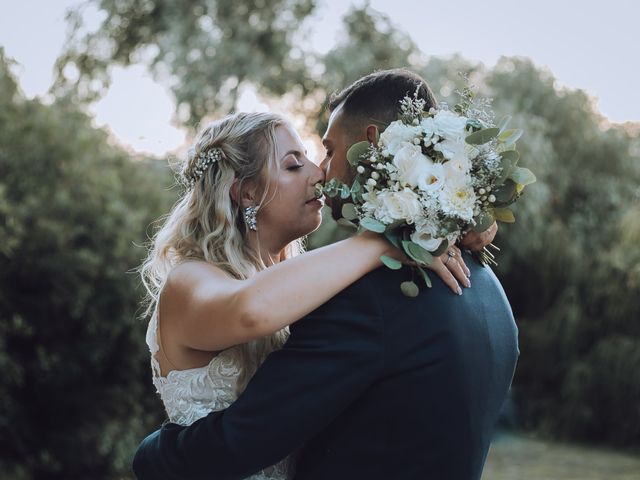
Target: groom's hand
{"x":475,"y":241}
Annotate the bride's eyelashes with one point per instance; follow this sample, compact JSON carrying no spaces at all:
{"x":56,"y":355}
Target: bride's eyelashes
{"x":294,"y":167}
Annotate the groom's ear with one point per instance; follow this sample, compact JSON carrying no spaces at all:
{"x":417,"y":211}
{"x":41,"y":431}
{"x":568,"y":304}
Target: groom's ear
{"x":373,"y":134}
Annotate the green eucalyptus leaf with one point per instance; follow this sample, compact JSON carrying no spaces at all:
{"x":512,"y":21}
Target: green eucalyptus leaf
{"x":393,"y":237}
{"x":425,"y":277}
{"x":349,"y":211}
{"x":505,"y":193}
{"x":372,"y":225}
{"x":511,"y":155}
{"x":502,"y":124}
{"x":509,"y":137}
{"x":356,"y":151}
{"x":416,"y":252}
{"x":506,"y":166}
{"x":331,"y":188}
{"x":523,"y":176}
{"x":392,"y":263}
{"x":409,"y":289}
{"x":482,"y":136}
{"x":483,"y":221}
{"x":504,"y":215}
{"x":356,"y":187}
{"x":345,"y":191}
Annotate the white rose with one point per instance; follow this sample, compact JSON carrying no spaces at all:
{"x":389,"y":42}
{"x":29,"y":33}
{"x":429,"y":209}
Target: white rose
{"x":449,"y":125}
{"x":374,"y":207}
{"x":456,"y":168}
{"x":417,"y":170}
{"x":452,"y":148}
{"x":425,"y":240}
{"x":396,"y":135}
{"x":402,"y":205}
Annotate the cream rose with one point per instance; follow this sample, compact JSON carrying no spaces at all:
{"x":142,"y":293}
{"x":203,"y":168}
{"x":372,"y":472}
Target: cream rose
{"x":449,"y":125}
{"x":402,"y":205}
{"x":425,"y":240}
{"x":418,"y":170}
{"x":397,"y":135}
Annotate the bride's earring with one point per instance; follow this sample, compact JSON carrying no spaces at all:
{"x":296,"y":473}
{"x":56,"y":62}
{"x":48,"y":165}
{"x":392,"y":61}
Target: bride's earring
{"x":250,"y":214}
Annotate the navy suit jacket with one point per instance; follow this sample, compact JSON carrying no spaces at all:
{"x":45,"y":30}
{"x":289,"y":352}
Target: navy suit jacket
{"x":371,"y":385}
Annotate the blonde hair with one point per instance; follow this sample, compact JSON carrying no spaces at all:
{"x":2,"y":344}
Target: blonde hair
{"x":206,"y":224}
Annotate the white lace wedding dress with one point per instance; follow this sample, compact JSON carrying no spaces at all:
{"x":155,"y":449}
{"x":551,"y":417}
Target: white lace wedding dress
{"x":191,"y":394}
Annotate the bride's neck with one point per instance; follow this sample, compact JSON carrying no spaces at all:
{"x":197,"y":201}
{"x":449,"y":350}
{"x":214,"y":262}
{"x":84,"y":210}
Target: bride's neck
{"x":271,"y":253}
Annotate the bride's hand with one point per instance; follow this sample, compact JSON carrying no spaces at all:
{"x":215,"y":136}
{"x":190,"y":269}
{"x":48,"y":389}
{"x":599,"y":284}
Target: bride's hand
{"x":450,"y":266}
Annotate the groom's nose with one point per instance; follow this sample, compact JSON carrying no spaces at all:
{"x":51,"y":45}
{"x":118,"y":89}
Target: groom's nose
{"x":324,"y":165}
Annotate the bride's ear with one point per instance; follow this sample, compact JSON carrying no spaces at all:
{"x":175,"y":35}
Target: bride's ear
{"x":373,"y":134}
{"x":243,"y":194}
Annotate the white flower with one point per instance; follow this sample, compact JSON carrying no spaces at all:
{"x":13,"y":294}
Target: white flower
{"x":372,"y":206}
{"x":449,"y":125}
{"x":457,"y":197}
{"x":396,"y":135}
{"x":451,"y":148}
{"x":456,"y":168}
{"x":427,"y":126}
{"x":426,"y":240}
{"x":402,"y":205}
{"x":418,"y":170}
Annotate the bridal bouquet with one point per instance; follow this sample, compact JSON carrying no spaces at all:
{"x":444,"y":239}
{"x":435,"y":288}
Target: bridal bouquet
{"x":432,"y":177}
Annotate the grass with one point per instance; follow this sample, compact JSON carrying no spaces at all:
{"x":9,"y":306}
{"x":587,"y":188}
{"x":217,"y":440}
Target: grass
{"x":517,"y":457}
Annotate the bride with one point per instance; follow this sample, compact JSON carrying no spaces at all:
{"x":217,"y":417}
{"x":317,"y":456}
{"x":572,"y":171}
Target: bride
{"x":220,"y":293}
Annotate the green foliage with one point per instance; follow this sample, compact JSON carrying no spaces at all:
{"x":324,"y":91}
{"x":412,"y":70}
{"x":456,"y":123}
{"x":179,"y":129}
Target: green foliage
{"x":409,"y":289}
{"x":75,"y":397}
{"x":391,"y":263}
{"x":75,"y":394}
{"x":204,"y":50}
{"x":570,"y":264}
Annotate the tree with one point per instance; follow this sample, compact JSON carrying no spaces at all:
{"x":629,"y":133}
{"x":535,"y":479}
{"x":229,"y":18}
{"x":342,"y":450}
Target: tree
{"x":570,"y":263}
{"x":75,"y":394}
{"x":204,"y":50}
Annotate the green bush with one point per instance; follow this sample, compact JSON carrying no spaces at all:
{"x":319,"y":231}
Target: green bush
{"x":75,"y":394}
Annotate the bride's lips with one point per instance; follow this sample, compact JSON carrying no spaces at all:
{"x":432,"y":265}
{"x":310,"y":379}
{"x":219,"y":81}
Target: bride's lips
{"x":316,"y":201}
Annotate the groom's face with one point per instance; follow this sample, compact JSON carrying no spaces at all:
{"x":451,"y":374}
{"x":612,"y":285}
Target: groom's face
{"x":337,"y":140}
{"x":340,"y":135}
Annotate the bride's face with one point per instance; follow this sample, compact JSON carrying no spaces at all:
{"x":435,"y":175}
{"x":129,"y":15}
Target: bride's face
{"x":291,"y":210}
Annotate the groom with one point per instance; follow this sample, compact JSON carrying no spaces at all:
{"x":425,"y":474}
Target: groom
{"x":371,"y":385}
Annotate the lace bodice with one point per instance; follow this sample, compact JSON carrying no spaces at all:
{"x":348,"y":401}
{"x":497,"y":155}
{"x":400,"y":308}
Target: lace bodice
{"x":191,"y":394}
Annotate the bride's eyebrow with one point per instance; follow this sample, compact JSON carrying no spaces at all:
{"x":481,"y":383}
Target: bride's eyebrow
{"x":295,"y":153}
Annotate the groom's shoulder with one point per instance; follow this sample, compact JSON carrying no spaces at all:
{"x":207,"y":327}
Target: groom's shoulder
{"x":373,"y":292}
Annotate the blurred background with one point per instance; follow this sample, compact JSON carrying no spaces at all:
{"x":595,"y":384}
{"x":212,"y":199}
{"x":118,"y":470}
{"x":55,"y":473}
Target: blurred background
{"x":98,"y":97}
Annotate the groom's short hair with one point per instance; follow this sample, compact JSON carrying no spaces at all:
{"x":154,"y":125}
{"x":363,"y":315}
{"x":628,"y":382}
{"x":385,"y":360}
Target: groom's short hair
{"x":376,"y":97}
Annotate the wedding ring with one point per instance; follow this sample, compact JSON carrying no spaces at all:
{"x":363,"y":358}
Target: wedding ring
{"x":448,"y":258}
{"x":451,"y":253}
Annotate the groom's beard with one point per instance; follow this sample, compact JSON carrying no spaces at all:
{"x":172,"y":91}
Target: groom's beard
{"x":336,"y":207}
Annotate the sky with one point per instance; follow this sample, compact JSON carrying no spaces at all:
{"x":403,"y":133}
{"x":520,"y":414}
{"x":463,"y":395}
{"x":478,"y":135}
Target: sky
{"x":590,"y":45}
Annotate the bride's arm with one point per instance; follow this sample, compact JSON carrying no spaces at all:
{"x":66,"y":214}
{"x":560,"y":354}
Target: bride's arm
{"x":205,"y":309}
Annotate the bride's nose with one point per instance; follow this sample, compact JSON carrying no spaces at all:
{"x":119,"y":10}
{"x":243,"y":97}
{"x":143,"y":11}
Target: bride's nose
{"x":317,"y":175}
